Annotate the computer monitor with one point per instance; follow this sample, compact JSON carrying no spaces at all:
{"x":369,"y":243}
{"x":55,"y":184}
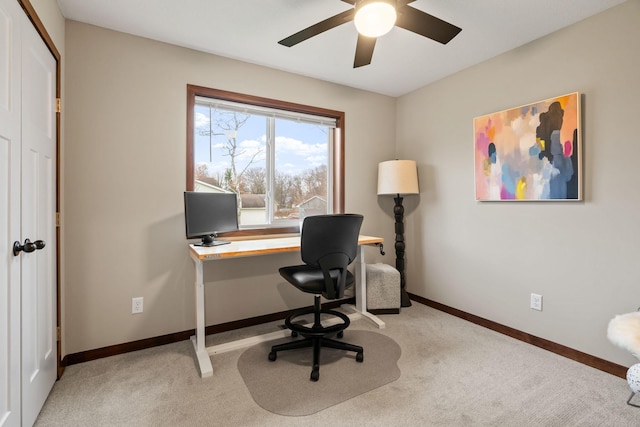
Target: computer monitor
{"x":207,"y":214}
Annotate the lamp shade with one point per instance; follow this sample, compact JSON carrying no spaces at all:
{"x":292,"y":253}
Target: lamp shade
{"x":398,"y":177}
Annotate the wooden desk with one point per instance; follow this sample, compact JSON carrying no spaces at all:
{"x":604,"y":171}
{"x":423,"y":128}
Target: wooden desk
{"x":257,"y":247}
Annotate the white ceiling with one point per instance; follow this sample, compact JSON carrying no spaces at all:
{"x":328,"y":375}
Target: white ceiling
{"x":249,"y":30}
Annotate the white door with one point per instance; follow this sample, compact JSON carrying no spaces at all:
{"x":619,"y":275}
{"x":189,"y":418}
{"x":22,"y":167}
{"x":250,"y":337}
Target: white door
{"x":10,"y":110}
{"x":28,"y":150}
{"x":38,"y":211}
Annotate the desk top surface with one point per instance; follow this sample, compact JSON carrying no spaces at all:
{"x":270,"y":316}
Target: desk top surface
{"x":242,"y":248}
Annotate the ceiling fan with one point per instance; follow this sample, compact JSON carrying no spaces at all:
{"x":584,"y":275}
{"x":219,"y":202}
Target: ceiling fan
{"x":394,"y":12}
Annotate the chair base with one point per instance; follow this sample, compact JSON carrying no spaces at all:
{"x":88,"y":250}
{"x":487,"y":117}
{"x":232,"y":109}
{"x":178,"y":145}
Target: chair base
{"x":317,"y":337}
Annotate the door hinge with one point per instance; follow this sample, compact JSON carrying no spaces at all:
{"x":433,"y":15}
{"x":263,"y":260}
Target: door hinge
{"x":58,"y":108}
{"x":57,"y":219}
{"x":58,"y":334}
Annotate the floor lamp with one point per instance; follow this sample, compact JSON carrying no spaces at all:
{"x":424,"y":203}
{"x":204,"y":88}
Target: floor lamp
{"x":398,"y":178}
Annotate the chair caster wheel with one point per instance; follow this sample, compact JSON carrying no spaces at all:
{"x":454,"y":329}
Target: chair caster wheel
{"x":294,"y":334}
{"x":273,"y":356}
{"x":359,"y":357}
{"x":340,"y":334}
{"x":315,"y":374}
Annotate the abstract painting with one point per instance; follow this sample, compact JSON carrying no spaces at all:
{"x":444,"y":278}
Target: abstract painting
{"x":531,"y":152}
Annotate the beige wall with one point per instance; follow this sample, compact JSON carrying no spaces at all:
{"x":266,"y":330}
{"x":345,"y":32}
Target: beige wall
{"x":124,"y":169}
{"x":486,"y":258}
{"x":51,"y":17}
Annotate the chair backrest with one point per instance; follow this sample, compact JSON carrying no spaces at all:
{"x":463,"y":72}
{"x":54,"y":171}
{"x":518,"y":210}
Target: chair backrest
{"x":330,"y":242}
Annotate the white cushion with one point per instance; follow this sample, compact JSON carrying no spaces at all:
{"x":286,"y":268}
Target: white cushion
{"x":624,"y":331}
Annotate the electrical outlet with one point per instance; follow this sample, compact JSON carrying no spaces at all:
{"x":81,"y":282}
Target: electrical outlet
{"x":536,"y":302}
{"x":136,"y":305}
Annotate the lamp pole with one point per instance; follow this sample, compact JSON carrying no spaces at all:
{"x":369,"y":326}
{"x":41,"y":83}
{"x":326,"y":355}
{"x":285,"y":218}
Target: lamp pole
{"x":398,"y":212}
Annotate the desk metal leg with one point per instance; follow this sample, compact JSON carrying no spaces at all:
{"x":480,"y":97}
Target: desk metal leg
{"x":206,"y":370}
{"x":361,"y":289}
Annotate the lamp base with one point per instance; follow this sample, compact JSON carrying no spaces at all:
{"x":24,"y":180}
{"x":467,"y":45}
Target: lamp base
{"x":404,"y":298}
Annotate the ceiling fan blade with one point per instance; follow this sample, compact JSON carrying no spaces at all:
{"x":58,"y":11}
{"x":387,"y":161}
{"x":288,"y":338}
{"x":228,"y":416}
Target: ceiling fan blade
{"x":318,"y":28}
{"x":364,"y":51}
{"x":353,"y":2}
{"x":426,"y":25}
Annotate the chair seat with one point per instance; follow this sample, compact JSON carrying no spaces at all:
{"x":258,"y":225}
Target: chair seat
{"x":310,"y":279}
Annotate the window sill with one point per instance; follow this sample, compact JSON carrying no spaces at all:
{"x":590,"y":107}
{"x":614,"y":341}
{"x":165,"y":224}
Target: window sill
{"x":260,"y":232}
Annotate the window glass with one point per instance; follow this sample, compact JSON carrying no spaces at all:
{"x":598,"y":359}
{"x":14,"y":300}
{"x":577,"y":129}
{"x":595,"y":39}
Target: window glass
{"x":301,"y":169}
{"x":230,"y":156}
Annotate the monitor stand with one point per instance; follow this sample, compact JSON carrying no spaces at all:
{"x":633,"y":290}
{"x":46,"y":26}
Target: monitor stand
{"x":210,"y":240}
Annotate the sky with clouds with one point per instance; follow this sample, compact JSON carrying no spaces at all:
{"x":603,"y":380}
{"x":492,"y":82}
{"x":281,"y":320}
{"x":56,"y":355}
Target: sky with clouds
{"x":299,"y":146}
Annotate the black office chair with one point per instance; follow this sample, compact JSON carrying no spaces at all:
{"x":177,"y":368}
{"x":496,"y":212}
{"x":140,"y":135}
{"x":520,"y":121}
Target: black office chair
{"x":329,"y":244}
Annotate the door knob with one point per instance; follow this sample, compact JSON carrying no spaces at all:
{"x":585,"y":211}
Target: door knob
{"x":28,"y":246}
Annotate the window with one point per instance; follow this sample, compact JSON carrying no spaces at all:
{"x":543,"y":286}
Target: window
{"x":283,"y":160}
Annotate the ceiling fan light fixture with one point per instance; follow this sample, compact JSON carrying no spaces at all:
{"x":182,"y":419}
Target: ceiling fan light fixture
{"x":375,"y":18}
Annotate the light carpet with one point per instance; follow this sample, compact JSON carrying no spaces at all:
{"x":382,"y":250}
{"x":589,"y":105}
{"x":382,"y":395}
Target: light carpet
{"x":283,"y":386}
{"x":454,"y":373}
